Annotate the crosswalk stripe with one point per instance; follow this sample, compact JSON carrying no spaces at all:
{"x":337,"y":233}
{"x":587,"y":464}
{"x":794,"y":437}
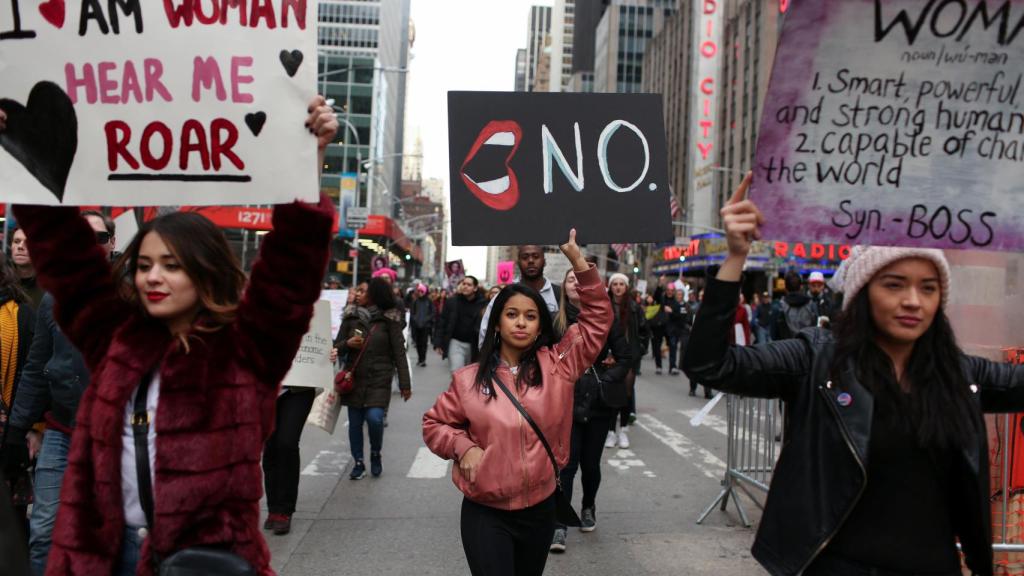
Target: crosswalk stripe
{"x":327,"y":463}
{"x":428,"y":465}
{"x":716,"y":423}
{"x":709,"y":464}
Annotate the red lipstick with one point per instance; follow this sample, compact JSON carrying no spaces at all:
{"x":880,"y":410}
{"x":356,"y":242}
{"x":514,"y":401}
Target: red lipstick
{"x":156,"y":296}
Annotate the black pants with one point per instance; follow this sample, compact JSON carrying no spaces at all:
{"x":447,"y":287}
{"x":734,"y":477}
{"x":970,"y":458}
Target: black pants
{"x":585,"y":455}
{"x":657,"y":336}
{"x":507,"y":543}
{"x":281,"y":453}
{"x":630,"y":408}
{"x":420,"y":336}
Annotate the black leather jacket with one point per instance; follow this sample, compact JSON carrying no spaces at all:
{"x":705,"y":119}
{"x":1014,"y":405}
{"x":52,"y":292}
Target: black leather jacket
{"x":821,"y":472}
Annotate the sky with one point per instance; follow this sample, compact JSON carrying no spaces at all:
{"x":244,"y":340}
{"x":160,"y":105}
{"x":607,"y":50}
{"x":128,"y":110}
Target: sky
{"x":460,"y":45}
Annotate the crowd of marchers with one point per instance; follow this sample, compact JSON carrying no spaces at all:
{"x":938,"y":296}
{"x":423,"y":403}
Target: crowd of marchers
{"x":142,"y":417}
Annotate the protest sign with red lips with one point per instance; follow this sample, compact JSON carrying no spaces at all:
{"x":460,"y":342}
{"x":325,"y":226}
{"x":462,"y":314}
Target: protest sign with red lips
{"x":527,"y":167}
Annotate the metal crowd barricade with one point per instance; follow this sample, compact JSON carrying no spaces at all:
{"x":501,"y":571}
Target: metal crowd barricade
{"x":753,"y":425}
{"x":1006,"y":462}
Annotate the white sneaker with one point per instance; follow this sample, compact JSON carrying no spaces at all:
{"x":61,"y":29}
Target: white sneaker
{"x":610,"y":441}
{"x":623,"y":439}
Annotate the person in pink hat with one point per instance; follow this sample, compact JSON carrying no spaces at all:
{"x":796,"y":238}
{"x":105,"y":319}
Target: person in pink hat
{"x":885,"y":466}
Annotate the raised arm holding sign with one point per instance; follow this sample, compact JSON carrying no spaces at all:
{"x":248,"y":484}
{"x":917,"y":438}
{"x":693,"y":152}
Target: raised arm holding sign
{"x":185,"y":363}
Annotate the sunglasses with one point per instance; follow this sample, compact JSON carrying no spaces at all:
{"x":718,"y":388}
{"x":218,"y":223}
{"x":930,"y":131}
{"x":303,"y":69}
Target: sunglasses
{"x":102,"y":237}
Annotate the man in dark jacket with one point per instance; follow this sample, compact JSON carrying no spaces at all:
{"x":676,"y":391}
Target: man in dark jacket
{"x":421,"y":320}
{"x":52,"y":382}
{"x":460,"y":323}
{"x":797,"y":310}
{"x":678,"y":324}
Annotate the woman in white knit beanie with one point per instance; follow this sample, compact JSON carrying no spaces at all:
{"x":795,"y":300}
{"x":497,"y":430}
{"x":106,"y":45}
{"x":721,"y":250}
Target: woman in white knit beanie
{"x":885,"y":464}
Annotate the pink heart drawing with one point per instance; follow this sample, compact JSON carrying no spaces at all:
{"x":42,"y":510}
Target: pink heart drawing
{"x":54,"y":12}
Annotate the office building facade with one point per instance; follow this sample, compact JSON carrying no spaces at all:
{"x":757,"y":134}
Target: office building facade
{"x":563,"y":27}
{"x":536,"y":40}
{"x":363,"y":51}
{"x":620,"y":41}
{"x":667,"y":72}
{"x":751,"y":36}
{"x":520,"y":82}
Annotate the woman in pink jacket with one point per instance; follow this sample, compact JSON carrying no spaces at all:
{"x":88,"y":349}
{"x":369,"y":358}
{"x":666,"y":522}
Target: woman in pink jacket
{"x":508,"y":514}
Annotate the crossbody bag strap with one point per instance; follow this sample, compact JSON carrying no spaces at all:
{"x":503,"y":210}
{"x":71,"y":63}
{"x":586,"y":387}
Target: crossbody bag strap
{"x":140,"y":430}
{"x":536,"y":428}
{"x":366,"y":344}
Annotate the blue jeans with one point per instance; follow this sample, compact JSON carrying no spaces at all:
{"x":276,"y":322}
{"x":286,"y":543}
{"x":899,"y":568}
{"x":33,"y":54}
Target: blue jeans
{"x":53,"y":459}
{"x":131,"y":549}
{"x":374,"y":419}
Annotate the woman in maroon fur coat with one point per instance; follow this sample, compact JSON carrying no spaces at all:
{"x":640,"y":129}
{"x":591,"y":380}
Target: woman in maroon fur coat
{"x":214,"y":366}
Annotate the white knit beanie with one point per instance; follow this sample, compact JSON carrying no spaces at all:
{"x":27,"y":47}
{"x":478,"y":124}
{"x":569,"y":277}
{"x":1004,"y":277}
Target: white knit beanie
{"x":618,"y":276}
{"x":865,"y":261}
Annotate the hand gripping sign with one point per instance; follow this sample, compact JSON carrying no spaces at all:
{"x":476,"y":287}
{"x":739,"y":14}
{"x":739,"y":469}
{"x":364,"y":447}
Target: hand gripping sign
{"x":527,"y":167}
{"x":159,"y":102}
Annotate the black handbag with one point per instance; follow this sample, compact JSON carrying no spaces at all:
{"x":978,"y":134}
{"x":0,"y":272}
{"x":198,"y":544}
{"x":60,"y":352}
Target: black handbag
{"x":564,"y":512}
{"x":197,"y":561}
{"x":610,"y":393}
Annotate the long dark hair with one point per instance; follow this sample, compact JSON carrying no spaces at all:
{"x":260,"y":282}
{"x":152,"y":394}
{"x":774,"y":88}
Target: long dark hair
{"x":203,"y":251}
{"x":625,"y":310}
{"x":529,"y":367}
{"x":380,"y":294}
{"x":938,"y":404}
{"x":10,"y":284}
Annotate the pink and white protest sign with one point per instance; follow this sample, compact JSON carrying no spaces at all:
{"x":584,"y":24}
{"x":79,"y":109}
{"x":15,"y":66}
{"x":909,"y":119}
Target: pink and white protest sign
{"x":159,"y":102}
{"x":896,"y":123}
{"x":506,"y":272}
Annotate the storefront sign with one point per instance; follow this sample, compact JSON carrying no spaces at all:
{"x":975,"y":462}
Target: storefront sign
{"x":717,"y":246}
{"x":130,"y":103}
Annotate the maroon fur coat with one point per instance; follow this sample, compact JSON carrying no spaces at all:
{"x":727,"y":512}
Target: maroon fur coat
{"x":216,"y":399}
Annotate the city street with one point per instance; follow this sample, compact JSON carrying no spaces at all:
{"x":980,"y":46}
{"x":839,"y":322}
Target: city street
{"x":407,"y":521}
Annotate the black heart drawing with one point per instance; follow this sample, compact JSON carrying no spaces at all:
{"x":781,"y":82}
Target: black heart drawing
{"x":43,"y":136}
{"x":291,"y":61}
{"x":255,"y":122}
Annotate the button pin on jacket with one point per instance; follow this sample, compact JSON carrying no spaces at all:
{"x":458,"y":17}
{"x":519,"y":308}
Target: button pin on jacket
{"x":844,"y":399}
{"x":974,"y":388}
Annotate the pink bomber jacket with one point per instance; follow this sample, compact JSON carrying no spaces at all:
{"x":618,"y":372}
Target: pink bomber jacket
{"x":515,"y":471}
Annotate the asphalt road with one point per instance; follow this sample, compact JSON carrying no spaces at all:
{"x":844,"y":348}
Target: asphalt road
{"x":407,"y":521}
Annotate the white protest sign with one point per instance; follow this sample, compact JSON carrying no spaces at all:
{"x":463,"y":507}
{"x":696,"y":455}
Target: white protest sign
{"x":125,"y":229}
{"x":641,"y":286}
{"x":338,"y":299}
{"x":133,"y":103}
{"x":312,"y":366}
{"x":896,"y":123}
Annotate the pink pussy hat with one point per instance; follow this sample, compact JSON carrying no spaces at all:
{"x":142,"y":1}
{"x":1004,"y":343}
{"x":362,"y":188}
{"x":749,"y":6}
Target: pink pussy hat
{"x":865,"y":261}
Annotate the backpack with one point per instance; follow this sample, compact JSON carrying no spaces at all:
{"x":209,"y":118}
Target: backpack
{"x":794,"y":319}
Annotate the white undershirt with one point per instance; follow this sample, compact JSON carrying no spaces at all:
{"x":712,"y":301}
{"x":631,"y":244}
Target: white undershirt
{"x":133,"y":514}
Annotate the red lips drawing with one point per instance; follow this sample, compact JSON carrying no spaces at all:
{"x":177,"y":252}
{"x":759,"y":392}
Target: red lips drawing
{"x":499,"y":193}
